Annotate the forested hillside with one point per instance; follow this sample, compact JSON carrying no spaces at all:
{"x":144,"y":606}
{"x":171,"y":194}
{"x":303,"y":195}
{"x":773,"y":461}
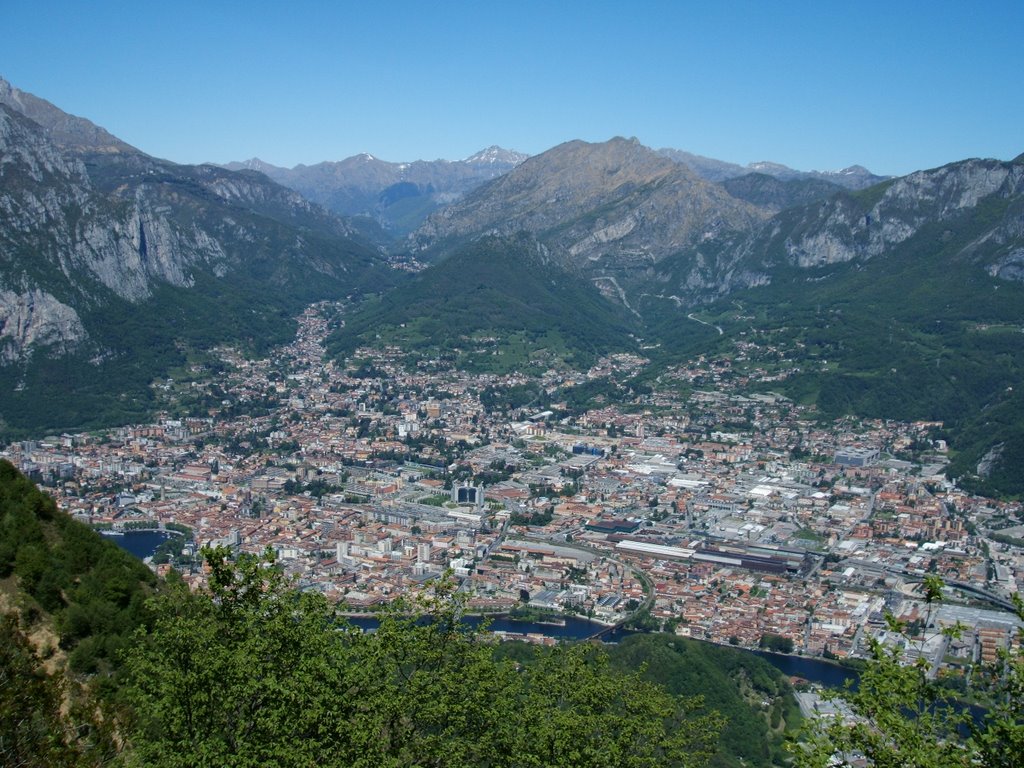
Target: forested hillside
{"x":497,"y":304}
{"x":71,"y":604}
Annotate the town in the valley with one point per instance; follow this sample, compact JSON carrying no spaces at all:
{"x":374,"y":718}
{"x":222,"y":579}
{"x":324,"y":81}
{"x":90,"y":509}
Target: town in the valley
{"x":705,"y":504}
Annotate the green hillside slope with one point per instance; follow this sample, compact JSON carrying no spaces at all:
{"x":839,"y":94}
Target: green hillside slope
{"x":754,"y":697}
{"x":70,"y":604}
{"x":497,"y":304}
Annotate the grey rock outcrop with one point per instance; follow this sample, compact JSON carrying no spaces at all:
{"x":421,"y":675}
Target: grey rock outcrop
{"x":845,"y":231}
{"x":34,"y":320}
{"x":52,"y":214}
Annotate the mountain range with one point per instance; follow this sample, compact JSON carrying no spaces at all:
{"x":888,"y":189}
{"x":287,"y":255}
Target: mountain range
{"x":854,"y":177}
{"x":902,"y":299}
{"x":893,"y":297}
{"x":396,"y":196}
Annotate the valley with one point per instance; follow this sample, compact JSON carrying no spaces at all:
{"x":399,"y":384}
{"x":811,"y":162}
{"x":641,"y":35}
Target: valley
{"x":750,"y":405}
{"x":893,"y":298}
{"x":511,"y":386}
{"x":702,"y":502}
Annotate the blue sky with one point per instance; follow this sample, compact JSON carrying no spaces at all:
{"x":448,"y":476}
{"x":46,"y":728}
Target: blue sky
{"x":894,"y":86}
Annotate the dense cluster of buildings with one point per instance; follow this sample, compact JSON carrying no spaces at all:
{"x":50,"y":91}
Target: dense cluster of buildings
{"x":707,"y":504}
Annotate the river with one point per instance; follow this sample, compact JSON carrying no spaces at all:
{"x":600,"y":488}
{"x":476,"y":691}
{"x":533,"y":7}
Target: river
{"x":818,"y":671}
{"x":574,"y":628}
{"x":143,"y":543}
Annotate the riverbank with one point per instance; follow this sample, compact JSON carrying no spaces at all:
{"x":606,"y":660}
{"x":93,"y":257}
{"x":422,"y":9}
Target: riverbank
{"x":557,"y":626}
{"x":573,"y":627}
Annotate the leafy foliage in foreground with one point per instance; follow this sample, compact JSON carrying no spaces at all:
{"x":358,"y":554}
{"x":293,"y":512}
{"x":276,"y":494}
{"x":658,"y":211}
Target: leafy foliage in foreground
{"x":754,"y":698}
{"x":93,"y":592}
{"x":255,"y":673}
{"x":900,"y":716}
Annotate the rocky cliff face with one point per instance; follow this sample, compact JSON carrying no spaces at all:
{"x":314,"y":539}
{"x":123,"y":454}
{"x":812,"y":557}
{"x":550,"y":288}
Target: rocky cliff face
{"x":925,"y":211}
{"x":61,"y":236}
{"x":848,"y":228}
{"x":36,"y":319}
{"x":87,"y":221}
{"x":39,"y":187}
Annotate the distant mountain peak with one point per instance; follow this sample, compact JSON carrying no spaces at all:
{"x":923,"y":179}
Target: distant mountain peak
{"x":764,"y":166}
{"x":495,"y":154}
{"x":255,"y":164}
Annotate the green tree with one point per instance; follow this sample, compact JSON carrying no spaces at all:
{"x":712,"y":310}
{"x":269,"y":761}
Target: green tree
{"x":1000,"y":741}
{"x":777,"y":643}
{"x":254,"y":672}
{"x":901,"y":716}
{"x":249,"y":674}
{"x":429,"y":691}
{"x":578,"y":713}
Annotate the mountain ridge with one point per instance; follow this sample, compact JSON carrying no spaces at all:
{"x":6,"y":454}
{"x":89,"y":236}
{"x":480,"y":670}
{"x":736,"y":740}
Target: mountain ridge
{"x":607,"y":210}
{"x":65,"y":130}
{"x":852,"y":177}
{"x":111,"y":256}
{"x":365,"y":185}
